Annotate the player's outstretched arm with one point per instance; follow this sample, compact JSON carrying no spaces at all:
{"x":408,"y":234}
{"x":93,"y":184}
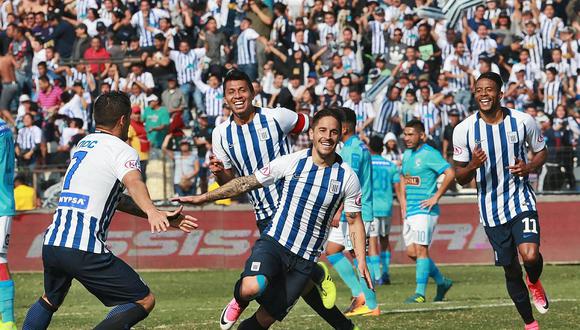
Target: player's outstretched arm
{"x":356,"y":231}
{"x":231,"y":189}
{"x":138,"y":191}
{"x":176,"y":218}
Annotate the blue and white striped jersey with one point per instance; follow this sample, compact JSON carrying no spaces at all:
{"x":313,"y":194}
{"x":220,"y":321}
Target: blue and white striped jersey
{"x":430,"y":115}
{"x":90,"y":193}
{"x":310,"y":196}
{"x":138,"y":21}
{"x":461,"y":79}
{"x":553,"y":91}
{"x":363,"y":110}
{"x":547,"y":26}
{"x":324,"y":30}
{"x":247,"y":46}
{"x":186,"y":63}
{"x":214,"y":97}
{"x":378,"y":42}
{"x":501,"y":195}
{"x":533,"y":43}
{"x":383,"y":123}
{"x":249,"y":147}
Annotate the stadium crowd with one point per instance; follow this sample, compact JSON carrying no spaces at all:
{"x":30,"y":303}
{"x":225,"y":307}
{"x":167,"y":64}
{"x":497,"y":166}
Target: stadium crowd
{"x":387,"y":60}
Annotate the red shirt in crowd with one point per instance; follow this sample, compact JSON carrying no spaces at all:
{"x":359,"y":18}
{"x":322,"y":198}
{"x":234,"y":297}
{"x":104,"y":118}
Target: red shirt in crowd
{"x":101,"y":54}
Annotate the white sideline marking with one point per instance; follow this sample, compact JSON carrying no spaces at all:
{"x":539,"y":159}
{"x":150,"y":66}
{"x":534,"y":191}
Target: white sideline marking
{"x":449,"y":308}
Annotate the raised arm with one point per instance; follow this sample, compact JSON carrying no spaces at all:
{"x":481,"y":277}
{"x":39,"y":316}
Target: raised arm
{"x":231,"y":189}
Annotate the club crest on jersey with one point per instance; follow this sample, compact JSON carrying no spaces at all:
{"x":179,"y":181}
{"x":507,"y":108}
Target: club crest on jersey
{"x":263,"y":134}
{"x":417,"y":162}
{"x":513,"y":137}
{"x":334,"y":186}
{"x":255,"y":266}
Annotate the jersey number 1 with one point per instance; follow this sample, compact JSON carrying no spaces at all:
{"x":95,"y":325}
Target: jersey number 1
{"x":78,"y":158}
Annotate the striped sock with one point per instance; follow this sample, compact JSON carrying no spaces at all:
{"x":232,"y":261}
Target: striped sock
{"x":344,"y":269}
{"x":422,"y":275}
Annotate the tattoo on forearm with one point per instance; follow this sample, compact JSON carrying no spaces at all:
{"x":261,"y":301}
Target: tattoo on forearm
{"x":351,"y":215}
{"x":233,"y":188}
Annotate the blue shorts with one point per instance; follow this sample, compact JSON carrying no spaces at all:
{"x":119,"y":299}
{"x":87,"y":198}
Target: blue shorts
{"x":287,"y":274}
{"x":107,"y":277}
{"x":505,"y":238}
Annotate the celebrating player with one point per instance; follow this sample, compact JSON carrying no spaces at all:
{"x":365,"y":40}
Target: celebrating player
{"x":102,"y":165}
{"x":7,"y":210}
{"x":355,"y":153}
{"x":421,"y":167}
{"x":252,"y":138}
{"x":314,"y":182}
{"x":492,"y":146}
{"x":385,"y":177}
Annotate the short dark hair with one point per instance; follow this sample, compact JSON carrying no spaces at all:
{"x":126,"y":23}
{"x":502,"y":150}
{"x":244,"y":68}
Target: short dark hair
{"x":235,"y":74}
{"x":326,"y":112}
{"x":376,"y":144}
{"x":110,"y":107}
{"x":493,"y":77}
{"x":416,"y":124}
{"x":348,"y":117}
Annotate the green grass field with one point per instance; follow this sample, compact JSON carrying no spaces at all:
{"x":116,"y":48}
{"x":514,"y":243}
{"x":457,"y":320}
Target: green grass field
{"x":194,"y":300}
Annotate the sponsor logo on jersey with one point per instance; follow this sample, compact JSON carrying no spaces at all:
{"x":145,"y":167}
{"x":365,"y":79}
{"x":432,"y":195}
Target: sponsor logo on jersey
{"x":73,"y":200}
{"x":358,"y":200}
{"x":412,"y":180}
{"x":133,"y":164}
{"x":540,"y":138}
{"x":265,"y":170}
{"x":457,"y":150}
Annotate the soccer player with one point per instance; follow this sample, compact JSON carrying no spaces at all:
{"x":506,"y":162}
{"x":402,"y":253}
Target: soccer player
{"x":386,"y":177}
{"x":492,"y":146}
{"x":102,"y":166}
{"x":421,"y":167}
{"x":355,"y":153}
{"x":7,"y":210}
{"x":314,"y":183}
{"x":250,"y":139}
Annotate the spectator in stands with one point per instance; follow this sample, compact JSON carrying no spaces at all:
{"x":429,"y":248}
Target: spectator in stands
{"x":27,"y":147}
{"x":156,"y":118}
{"x":138,"y":139}
{"x":201,"y":134}
{"x":63,"y":35}
{"x":24,"y":195}
{"x":99,"y":55}
{"x":186,"y":168}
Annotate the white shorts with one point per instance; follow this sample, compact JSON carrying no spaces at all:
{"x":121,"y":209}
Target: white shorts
{"x":339,"y":235}
{"x":419,"y":229}
{"x":5,"y":228}
{"x":384,"y":225}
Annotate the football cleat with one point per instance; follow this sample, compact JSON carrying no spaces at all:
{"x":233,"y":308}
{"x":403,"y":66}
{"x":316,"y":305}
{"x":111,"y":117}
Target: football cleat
{"x":538,"y":295}
{"x":8,"y":326}
{"x":384,"y":280}
{"x":416,"y":298}
{"x":532,"y":326}
{"x":364,"y":310}
{"x":355,"y":303}
{"x":230,"y":314}
{"x":326,"y":289}
{"x":442,"y":289}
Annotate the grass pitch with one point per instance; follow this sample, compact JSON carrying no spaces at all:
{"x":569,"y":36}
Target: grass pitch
{"x":194,"y":300}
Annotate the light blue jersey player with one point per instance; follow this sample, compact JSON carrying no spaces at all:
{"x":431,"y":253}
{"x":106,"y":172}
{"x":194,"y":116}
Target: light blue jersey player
{"x":386,"y":178}
{"x":356,"y":154}
{"x":421,"y":167}
{"x":7,"y":210}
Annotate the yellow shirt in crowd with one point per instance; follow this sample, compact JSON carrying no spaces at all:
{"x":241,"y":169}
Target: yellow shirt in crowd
{"x":25,"y":198}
